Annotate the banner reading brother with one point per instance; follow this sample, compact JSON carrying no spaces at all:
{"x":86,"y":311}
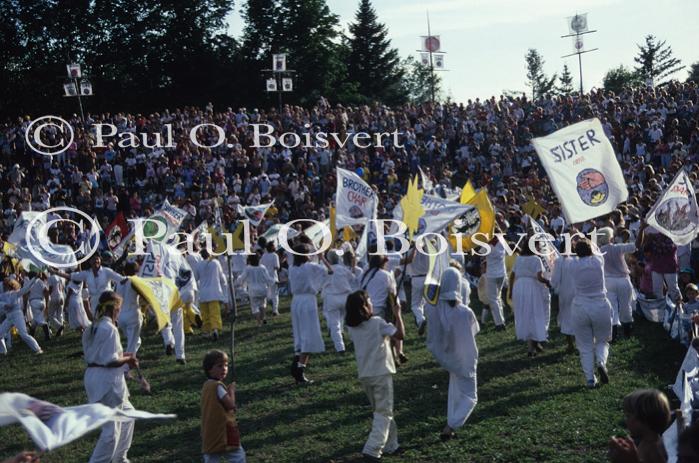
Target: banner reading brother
{"x":583,"y":170}
{"x":355,"y":200}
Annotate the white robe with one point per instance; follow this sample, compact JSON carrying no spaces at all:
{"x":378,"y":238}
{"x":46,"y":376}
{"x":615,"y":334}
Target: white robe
{"x":531,"y":299}
{"x":563,"y":284}
{"x":305,"y":281}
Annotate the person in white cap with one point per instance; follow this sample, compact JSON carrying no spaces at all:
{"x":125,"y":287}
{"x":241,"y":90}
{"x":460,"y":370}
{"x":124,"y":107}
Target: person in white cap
{"x":451,"y":338}
{"x":617,"y":280}
{"x":592,"y":313}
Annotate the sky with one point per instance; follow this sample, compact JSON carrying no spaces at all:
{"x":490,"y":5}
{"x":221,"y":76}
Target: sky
{"x":486,"y":40}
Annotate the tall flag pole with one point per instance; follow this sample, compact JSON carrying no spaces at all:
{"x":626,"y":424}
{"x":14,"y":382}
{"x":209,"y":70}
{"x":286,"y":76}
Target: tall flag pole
{"x":577,"y":26}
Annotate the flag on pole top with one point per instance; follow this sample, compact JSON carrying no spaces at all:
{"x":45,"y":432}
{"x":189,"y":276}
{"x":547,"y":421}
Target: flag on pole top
{"x":74,"y":71}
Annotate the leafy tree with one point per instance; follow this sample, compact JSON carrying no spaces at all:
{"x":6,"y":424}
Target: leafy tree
{"x":565,"y":86}
{"x":694,"y":73}
{"x":655,"y":60}
{"x":373,"y":64}
{"x":537,"y":80}
{"x":416,"y":81}
{"x":620,"y":77}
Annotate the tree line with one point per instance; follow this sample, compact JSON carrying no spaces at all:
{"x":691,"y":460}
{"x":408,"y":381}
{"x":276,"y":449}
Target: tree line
{"x":146,"y":54}
{"x":655,"y":63}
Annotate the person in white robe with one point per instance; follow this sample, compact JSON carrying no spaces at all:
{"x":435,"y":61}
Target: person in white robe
{"x":495,"y":280}
{"x":617,"y":280}
{"x":104,"y":378}
{"x":213,"y":294}
{"x":57,"y":296}
{"x":257,"y":281}
{"x":270,"y":260}
{"x":592,"y":313}
{"x":75,"y":306}
{"x":11,"y":302}
{"x":305,"y":281}
{"x":130,"y":317}
{"x":563,"y":284}
{"x":451,"y":338}
{"x":337,"y":287}
{"x":38,"y":302}
{"x":531,"y":300}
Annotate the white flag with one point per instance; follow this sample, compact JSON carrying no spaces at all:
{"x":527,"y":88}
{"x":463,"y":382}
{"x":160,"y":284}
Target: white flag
{"x":355,"y":201}
{"x":255,"y":214}
{"x":162,"y":260}
{"x":583,"y":170}
{"x":549,"y":251}
{"x":50,"y":426}
{"x":439,"y":213}
{"x":675,"y":214}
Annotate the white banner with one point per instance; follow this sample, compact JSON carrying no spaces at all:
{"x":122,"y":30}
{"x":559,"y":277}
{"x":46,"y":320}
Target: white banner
{"x":355,"y":201}
{"x":583,"y":170}
{"x":162,"y":260}
{"x":50,"y":426}
{"x":255,"y":214}
{"x":549,"y":251}
{"x":439,"y":213}
{"x":675,"y":214}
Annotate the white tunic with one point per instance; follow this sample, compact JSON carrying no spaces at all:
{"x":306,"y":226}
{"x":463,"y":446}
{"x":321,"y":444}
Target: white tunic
{"x":531,"y":299}
{"x":379,"y":283}
{"x":212,"y":281}
{"x":257,"y":280}
{"x":304,"y":282}
{"x":102,"y":345}
{"x":563,"y":284}
{"x":97,"y":282}
{"x":451,"y":337}
{"x":270,"y":260}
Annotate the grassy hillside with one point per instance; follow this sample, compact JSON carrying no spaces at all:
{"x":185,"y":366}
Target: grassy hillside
{"x":529,"y":410}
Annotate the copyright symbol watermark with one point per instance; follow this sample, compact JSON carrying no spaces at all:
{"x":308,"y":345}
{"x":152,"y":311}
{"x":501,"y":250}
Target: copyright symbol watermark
{"x":40,"y":246}
{"x":49,"y":135}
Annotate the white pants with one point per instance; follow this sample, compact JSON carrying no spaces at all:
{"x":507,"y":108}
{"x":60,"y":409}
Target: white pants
{"x":257,"y":303}
{"x":384,"y":433}
{"x":620,"y":296}
{"x":115,"y":439}
{"x":16,"y":319}
{"x":334,"y":311}
{"x":173,"y":333}
{"x":592,"y":324}
{"x":417,"y":300}
{"x":273,"y":297}
{"x":56,"y":312}
{"x":130,"y":323}
{"x":494,"y":288}
{"x":38,"y":306}
{"x":462,"y":399}
{"x":670,"y":279}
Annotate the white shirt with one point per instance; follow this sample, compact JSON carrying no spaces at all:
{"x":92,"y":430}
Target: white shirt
{"x":98,"y":283}
{"x":379,"y":284}
{"x":257,"y":280}
{"x":102,"y":345}
{"x":37,"y":289}
{"x":212,"y":281}
{"x":495,"y":262}
{"x":341,"y":282}
{"x":614,"y":262}
{"x":589,"y":276}
{"x":307,"y":278}
{"x":372,"y":347}
{"x":57,"y":286}
{"x":270,"y":260}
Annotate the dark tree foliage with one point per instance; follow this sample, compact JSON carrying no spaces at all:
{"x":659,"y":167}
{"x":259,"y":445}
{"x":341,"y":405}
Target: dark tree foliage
{"x":373,"y":64}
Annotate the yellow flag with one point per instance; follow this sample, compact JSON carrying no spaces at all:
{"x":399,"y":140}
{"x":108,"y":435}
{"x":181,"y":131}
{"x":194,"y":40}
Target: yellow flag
{"x":333,"y":227}
{"x":467,"y":193}
{"x":486,"y":222}
{"x":162,"y":295}
{"x":533,"y":209}
{"x":348,"y":233}
{"x":411,"y":204}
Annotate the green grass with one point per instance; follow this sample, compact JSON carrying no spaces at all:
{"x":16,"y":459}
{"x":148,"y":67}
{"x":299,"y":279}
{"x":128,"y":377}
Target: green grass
{"x":529,"y":410}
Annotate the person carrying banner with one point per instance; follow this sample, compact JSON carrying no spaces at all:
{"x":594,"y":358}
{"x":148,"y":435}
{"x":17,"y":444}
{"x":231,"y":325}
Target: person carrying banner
{"x":592,"y":313}
{"x":11,"y":302}
{"x":451,"y":338}
{"x":104,"y":378}
{"x":270,"y":260}
{"x":305,"y":281}
{"x":213,"y":294}
{"x":617,"y":280}
{"x":663,"y":262}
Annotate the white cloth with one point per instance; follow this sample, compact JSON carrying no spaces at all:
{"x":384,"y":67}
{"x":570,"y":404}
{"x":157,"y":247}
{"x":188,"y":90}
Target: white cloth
{"x":173,"y":333}
{"x":77,"y":317}
{"x":211,"y":281}
{"x":614,"y":261}
{"x":270,"y":261}
{"x":494,"y":289}
{"x":583,"y":170}
{"x":305,"y":324}
{"x":379,"y":284}
{"x":257,"y":280}
{"x":495,"y":261}
{"x":51,"y":427}
{"x":101,"y":346}
{"x":531,"y":300}
{"x":620,"y":297}
{"x":16,"y":319}
{"x":417,"y":298}
{"x":562,"y":281}
{"x":461,"y":400}
{"x":37,"y":307}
